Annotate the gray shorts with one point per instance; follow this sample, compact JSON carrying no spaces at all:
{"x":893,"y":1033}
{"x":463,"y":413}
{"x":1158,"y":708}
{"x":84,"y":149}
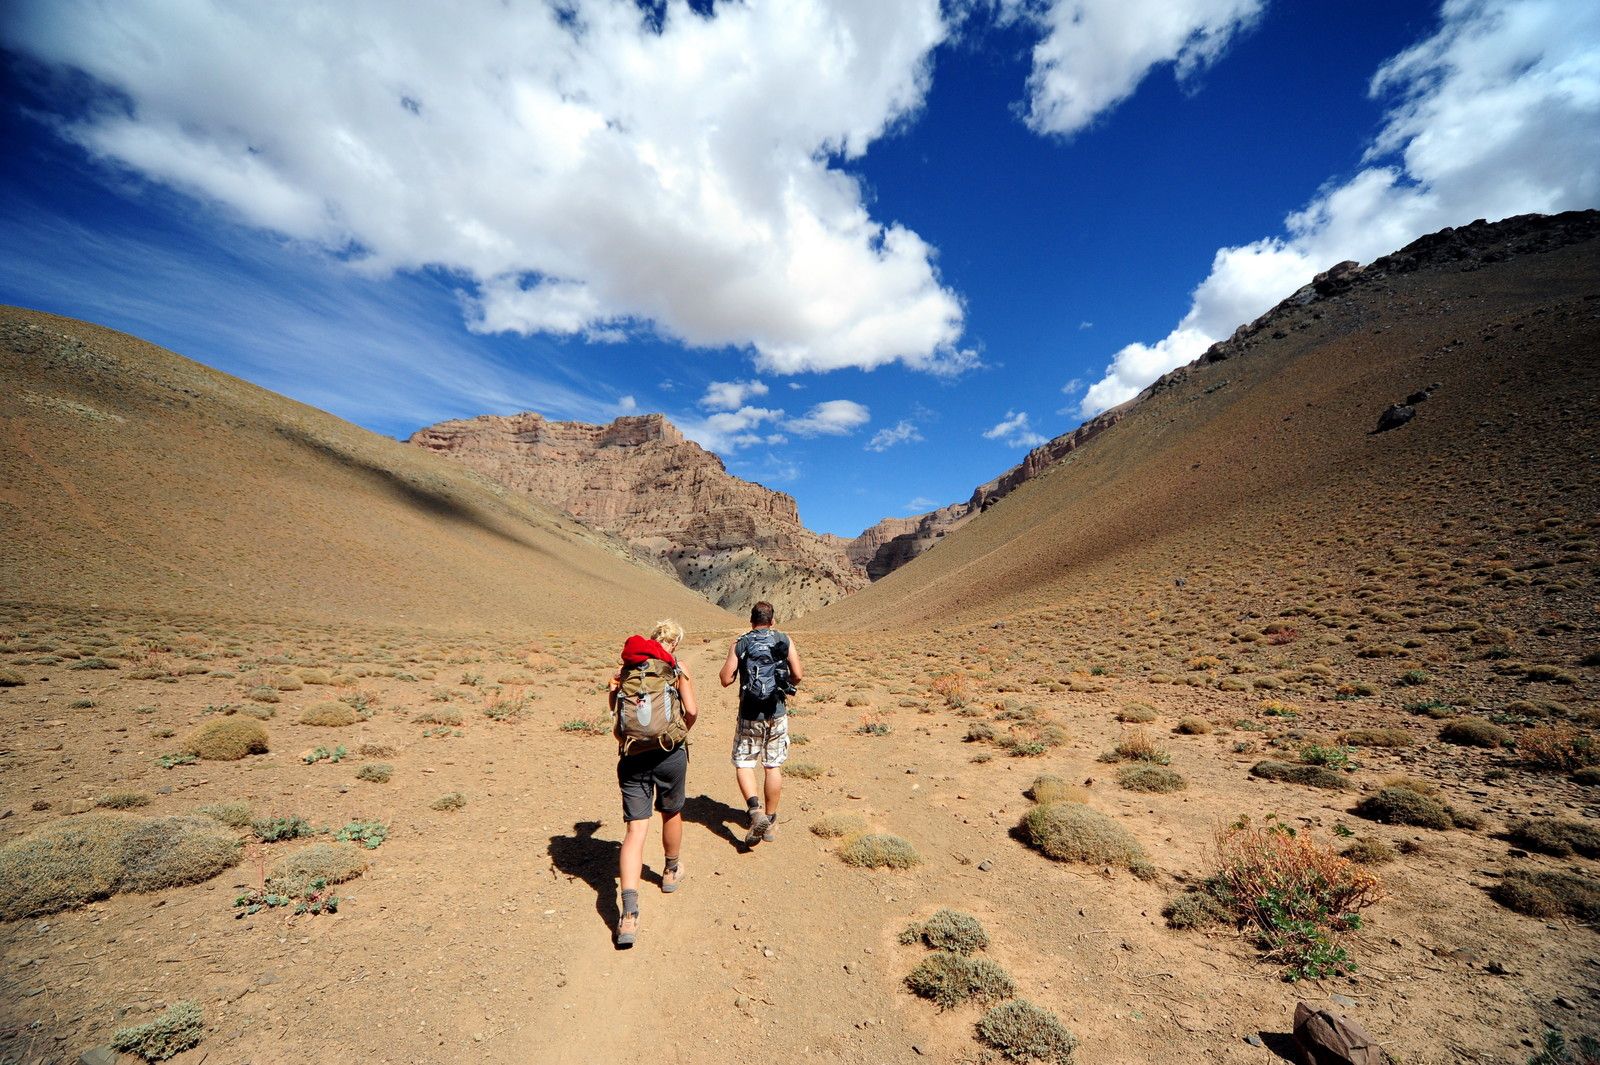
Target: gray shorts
{"x":764,"y":740}
{"x":657,"y":778}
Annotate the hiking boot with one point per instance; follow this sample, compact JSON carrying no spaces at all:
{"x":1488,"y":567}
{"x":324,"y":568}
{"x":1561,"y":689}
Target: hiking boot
{"x":671,"y":879}
{"x":760,"y":823}
{"x":771,"y":832}
{"x":627,"y":928}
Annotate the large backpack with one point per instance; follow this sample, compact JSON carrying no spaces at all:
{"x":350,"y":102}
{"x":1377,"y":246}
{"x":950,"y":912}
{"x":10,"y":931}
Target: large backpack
{"x":646,"y":707}
{"x":765,"y":673}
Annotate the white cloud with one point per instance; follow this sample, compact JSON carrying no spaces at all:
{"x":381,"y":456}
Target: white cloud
{"x":728,"y":431}
{"x":731,"y":395}
{"x":903,"y":432}
{"x":834,"y":417}
{"x":1096,"y":52}
{"x":1014,"y":430}
{"x":627,"y":405}
{"x":1496,"y":114}
{"x":922,"y":503}
{"x":582,"y":170}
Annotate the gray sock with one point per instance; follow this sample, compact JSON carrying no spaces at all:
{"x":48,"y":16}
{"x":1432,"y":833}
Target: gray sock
{"x":630,"y":900}
{"x":672,"y":864}
{"x":753,"y":802}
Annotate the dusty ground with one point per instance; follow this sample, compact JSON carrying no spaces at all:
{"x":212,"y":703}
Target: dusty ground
{"x":484,"y":933}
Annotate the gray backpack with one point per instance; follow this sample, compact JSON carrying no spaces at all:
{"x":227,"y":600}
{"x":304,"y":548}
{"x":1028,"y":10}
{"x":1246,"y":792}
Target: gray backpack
{"x":765,"y":672}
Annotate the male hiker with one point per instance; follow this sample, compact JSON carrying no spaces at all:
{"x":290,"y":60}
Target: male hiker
{"x":767,"y":666}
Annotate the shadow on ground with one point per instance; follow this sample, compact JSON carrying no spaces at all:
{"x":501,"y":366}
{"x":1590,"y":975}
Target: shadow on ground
{"x":592,"y":860}
{"x":715,"y":815}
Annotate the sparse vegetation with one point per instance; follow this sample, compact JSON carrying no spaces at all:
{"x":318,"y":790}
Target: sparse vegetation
{"x":177,"y":1028}
{"x":369,"y":834}
{"x":948,"y":979}
{"x":1549,"y":835}
{"x":1474,"y":732}
{"x":451,"y":801}
{"x":123,"y":800}
{"x":1369,"y":850}
{"x":1558,"y":747}
{"x":1072,"y":832}
{"x":375,"y":772}
{"x":331,"y":863}
{"x":232,"y":814}
{"x":1193,"y":726}
{"x":1549,"y":893}
{"x":97,"y":855}
{"x":1021,"y":1031}
{"x":803,"y":770}
{"x":1151,"y":778}
{"x":837,"y":825}
{"x":1050,"y":788}
{"x":879,"y":851}
{"x":227,"y":740}
{"x":949,"y":930}
{"x":1315,"y":776}
{"x":1402,"y":806}
{"x":1376,"y":737}
{"x":330,"y":713}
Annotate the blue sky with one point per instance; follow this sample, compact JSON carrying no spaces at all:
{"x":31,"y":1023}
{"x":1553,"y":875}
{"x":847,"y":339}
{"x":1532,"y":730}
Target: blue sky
{"x":869,"y":254}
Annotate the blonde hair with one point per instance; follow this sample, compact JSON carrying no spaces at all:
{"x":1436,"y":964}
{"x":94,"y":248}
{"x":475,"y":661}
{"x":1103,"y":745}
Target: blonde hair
{"x":667,"y":631}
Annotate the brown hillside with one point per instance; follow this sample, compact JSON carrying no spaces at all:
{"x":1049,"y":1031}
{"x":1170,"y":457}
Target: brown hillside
{"x":640,"y":480}
{"x":134,"y":478}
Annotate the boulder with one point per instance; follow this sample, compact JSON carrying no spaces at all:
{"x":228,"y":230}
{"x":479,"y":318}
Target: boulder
{"x":1329,"y":1038}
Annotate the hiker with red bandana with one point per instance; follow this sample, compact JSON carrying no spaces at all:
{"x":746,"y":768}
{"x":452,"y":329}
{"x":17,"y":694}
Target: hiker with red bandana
{"x":653,"y":710}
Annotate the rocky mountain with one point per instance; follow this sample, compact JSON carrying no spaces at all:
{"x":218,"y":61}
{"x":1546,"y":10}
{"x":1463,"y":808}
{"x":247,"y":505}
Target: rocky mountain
{"x":892,"y":542}
{"x":639,"y":479}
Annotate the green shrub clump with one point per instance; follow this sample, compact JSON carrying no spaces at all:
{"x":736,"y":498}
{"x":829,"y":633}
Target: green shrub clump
{"x":1550,"y":893}
{"x":227,"y":740}
{"x":1196,"y":908}
{"x":123,"y":800}
{"x":947,"y":979}
{"x":1072,"y":832}
{"x":1376,"y":737}
{"x":1402,"y":806}
{"x":1021,"y":1031}
{"x":375,"y":772}
{"x":948,"y":930}
{"x":176,"y":1029}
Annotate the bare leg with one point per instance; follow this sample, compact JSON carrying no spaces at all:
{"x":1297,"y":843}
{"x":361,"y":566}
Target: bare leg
{"x":671,"y":836}
{"x":774,"y":783}
{"x":631,"y":865}
{"x":747,"y":783}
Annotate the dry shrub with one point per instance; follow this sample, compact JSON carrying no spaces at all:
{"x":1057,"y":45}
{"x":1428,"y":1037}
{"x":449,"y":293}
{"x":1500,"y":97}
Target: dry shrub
{"x":10,"y":678}
{"x":232,"y":814}
{"x":837,"y":825}
{"x":1047,"y":787}
{"x":981,"y":732}
{"x":1402,"y":806}
{"x":123,"y":800}
{"x":174,"y":1030}
{"x":1549,"y":835}
{"x":376,"y":750}
{"x":332,"y":863}
{"x":1369,"y":850}
{"x":1156,"y":778}
{"x":803,"y":770}
{"x":1548,"y":893}
{"x":1196,"y":908}
{"x":1193,"y":726}
{"x":1474,"y":732}
{"x":1560,"y":747}
{"x":330,"y":714}
{"x":879,"y":851}
{"x":375,"y":772}
{"x":1136,"y":746}
{"x":948,"y":979}
{"x":316,"y":676}
{"x":949,"y":930}
{"x":1137,"y":714}
{"x":1376,"y":737}
{"x":1410,"y":783}
{"x":440,"y":715}
{"x":1021,"y":1031}
{"x":227,"y":740}
{"x":1072,"y":832}
{"x":1316,"y":776}
{"x":1588,"y":777}
{"x":68,"y":863}
{"x":1299,"y":897}
{"x":453,"y":801}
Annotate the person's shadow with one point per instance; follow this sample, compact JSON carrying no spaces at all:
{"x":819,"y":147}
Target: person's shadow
{"x":592,"y":860}
{"x":715,"y":815}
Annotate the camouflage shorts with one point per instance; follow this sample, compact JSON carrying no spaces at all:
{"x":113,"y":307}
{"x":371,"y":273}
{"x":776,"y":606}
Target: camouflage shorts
{"x":765,"y":741}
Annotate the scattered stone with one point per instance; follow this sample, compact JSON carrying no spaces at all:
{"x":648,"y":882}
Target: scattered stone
{"x":985,"y":865}
{"x":1396,"y":416}
{"x":1329,"y":1038}
{"x":1254,"y":1040}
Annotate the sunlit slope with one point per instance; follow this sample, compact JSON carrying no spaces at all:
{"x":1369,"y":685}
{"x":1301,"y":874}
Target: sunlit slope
{"x":1246,"y":479}
{"x":133,"y":477}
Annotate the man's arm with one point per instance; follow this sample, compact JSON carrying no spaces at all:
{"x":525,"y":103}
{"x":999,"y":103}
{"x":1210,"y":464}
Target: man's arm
{"x":730,"y":668}
{"x":691,"y":709}
{"x":796,"y":674}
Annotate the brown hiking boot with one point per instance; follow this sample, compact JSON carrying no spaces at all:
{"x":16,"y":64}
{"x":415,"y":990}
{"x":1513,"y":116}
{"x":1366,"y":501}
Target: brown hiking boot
{"x":671,"y":879}
{"x":627,"y":928}
{"x":759,"y":824}
{"x":771,"y":832}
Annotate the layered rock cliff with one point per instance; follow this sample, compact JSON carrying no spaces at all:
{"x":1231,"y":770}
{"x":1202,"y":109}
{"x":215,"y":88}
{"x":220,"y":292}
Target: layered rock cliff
{"x":640,"y":480}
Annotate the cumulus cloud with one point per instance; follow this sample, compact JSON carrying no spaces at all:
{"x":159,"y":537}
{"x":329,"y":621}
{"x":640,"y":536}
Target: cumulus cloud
{"x":1497,"y":113}
{"x":731,"y":395}
{"x":728,"y":431}
{"x":834,"y":417}
{"x":1094,"y":53}
{"x":1014,"y":430}
{"x":902,"y":432}
{"x":583,"y":168}
{"x":627,"y":405}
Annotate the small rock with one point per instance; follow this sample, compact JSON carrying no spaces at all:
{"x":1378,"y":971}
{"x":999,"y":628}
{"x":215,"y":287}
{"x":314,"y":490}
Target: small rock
{"x":742,"y":1002}
{"x":99,"y":1056}
{"x":1254,"y":1040}
{"x":850,"y":968}
{"x":1396,"y":416}
{"x":916,"y":1048}
{"x":985,"y":865}
{"x":768,"y":952}
{"x":1566,"y":1003}
{"x":268,"y":977}
{"x":1343,"y":1000}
